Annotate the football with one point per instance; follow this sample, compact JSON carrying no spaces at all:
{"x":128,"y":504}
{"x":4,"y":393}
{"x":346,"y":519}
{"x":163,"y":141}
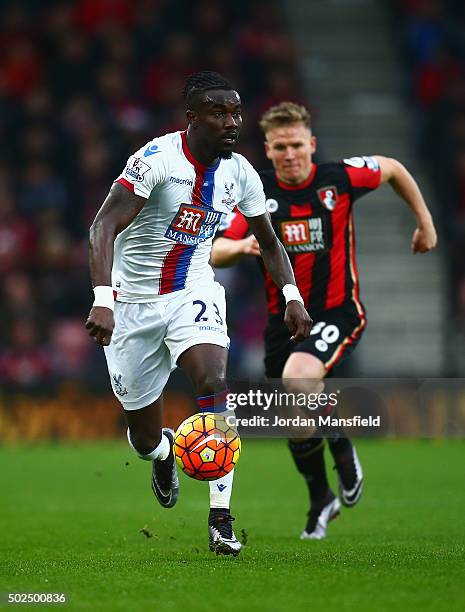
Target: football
{"x":206,"y":447}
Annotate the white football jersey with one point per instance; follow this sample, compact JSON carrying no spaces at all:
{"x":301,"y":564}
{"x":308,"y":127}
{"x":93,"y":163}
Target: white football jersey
{"x":167,"y":246}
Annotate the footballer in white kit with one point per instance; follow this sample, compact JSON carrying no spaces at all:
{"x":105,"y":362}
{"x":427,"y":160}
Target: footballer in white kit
{"x":166,"y":296}
{"x":157,"y":304}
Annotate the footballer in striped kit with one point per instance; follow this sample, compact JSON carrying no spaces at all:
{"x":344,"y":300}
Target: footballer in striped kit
{"x":157,"y":304}
{"x":311,"y":207}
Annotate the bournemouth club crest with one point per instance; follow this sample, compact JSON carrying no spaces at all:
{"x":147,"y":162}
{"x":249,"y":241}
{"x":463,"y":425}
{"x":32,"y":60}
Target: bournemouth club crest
{"x":328,"y":197}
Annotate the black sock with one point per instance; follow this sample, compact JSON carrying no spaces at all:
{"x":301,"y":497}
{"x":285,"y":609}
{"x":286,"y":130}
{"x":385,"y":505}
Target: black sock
{"x":309,"y":459}
{"x":339,"y":447}
{"x":218,"y":511}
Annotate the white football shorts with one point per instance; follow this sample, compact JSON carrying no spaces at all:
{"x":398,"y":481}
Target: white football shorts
{"x":149,"y":338}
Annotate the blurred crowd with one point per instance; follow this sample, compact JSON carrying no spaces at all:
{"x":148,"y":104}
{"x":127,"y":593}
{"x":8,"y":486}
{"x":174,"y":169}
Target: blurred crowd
{"x":433,"y":39}
{"x":83,"y":84}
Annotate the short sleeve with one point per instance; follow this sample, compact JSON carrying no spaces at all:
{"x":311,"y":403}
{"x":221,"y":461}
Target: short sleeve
{"x":234,"y":226}
{"x":364,"y":174}
{"x":145,"y":169}
{"x":253,"y":199}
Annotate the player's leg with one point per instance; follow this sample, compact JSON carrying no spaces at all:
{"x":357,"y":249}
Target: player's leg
{"x":205,"y":365}
{"x":145,"y":427}
{"x":198,"y":341}
{"x":333,"y":337}
{"x":153,"y":443}
{"x":301,"y":371}
{"x":139,"y":364}
{"x":349,"y":469}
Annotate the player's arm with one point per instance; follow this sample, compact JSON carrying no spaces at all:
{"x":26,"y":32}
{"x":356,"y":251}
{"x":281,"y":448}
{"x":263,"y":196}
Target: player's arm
{"x":402,"y":182}
{"x":233,"y":241}
{"x":119,"y":209}
{"x":227,"y":251}
{"x":278,"y":265}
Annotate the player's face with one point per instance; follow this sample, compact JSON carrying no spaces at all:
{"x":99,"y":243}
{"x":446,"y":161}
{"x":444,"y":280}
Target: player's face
{"x":217,"y":122}
{"x":290,"y":149}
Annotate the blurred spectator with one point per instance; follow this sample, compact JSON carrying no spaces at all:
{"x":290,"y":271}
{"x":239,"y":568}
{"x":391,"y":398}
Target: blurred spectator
{"x":20,"y":69}
{"x":25,"y":362}
{"x":17,"y":237}
{"x":40,"y":190}
{"x":36,"y":142}
{"x":210,"y":23}
{"x":20,"y":301}
{"x":80,"y":119}
{"x":64,"y":287}
{"x":70,"y":72}
{"x":70,"y":349}
{"x":95,"y":16}
{"x":38,"y":106}
{"x":94,"y":173}
{"x":177,"y":61}
{"x":15,"y":24}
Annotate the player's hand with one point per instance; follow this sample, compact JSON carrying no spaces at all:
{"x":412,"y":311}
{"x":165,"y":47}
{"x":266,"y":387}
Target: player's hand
{"x":424,"y":238}
{"x":250,"y":246}
{"x":100,"y":324}
{"x":298,"y":321}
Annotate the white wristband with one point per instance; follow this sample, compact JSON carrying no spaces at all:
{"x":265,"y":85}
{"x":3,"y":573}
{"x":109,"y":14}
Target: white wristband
{"x":291,"y":292}
{"x":104,"y":297}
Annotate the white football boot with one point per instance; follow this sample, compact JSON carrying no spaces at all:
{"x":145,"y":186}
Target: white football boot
{"x":221,"y":536}
{"x":319,"y":517}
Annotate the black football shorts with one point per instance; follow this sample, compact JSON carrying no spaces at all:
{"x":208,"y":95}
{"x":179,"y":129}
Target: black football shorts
{"x":335,"y":334}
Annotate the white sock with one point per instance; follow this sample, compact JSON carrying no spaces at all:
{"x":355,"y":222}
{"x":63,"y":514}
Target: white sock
{"x":220,"y":491}
{"x":161,"y":451}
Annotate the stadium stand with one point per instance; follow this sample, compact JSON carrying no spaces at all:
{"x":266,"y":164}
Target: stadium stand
{"x":432,"y":39}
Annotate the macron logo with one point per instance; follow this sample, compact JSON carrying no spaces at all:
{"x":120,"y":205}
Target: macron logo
{"x":181,"y":181}
{"x":151,"y":150}
{"x":221,"y":487}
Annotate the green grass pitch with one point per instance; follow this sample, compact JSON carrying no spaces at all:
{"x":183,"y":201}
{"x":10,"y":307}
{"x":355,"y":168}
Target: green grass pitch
{"x":71,"y":518}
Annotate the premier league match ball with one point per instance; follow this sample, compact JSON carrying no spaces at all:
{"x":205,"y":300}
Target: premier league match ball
{"x":206,"y":447}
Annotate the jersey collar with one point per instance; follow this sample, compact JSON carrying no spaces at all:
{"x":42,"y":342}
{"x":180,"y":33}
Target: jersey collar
{"x":190,"y":158}
{"x":301,"y":185}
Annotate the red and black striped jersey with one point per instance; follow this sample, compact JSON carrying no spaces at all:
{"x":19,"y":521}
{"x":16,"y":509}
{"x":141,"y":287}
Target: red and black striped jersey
{"x":314,"y":222}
